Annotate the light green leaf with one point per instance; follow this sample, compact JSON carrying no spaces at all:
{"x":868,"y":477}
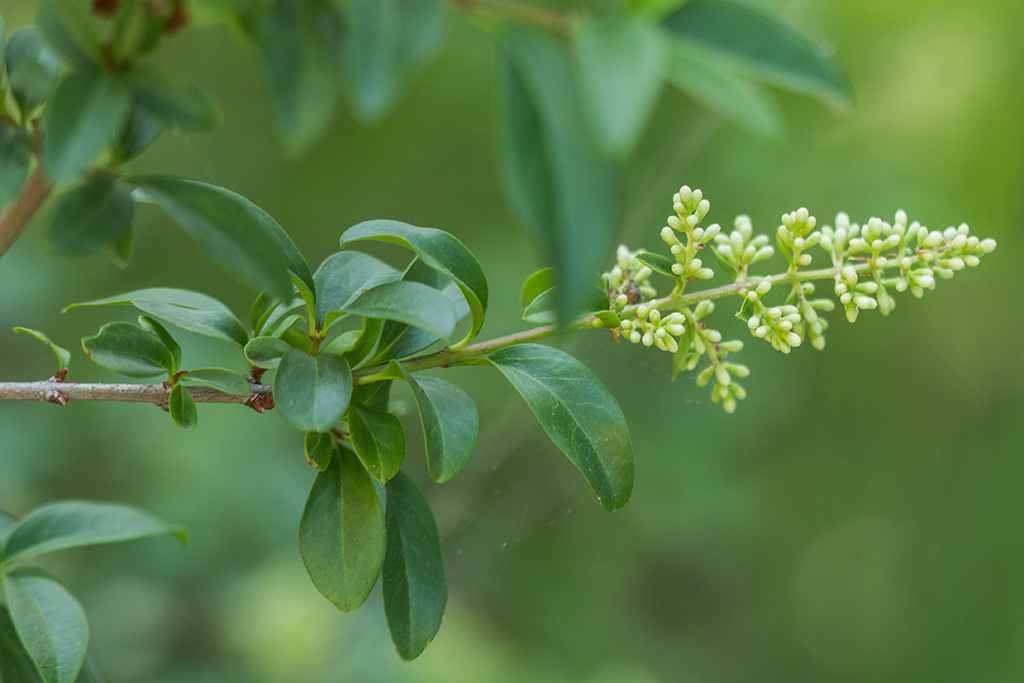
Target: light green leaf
{"x":413,"y":581}
{"x":15,"y":664}
{"x":378,"y":439}
{"x":132,"y":26}
{"x":99,"y":211}
{"x":368,"y":337}
{"x":343,"y":343}
{"x":49,"y":621}
{"x":707,"y":80}
{"x":767,"y":46}
{"x":577,"y":412}
{"x":344,"y":276}
{"x":620,"y":64}
{"x":655,"y":8}
{"x":266,"y":352}
{"x":228,"y":381}
{"x":161,"y":333}
{"x":173,"y":97}
{"x":63,"y":355}
{"x":182,"y":408}
{"x":312,"y":394}
{"x":232,"y":231}
{"x":319,"y":449}
{"x":7,"y":524}
{"x":536,"y":284}
{"x":129,"y":350}
{"x":542,"y":308}
{"x":450,"y":424}
{"x":658,"y":263}
{"x":15,"y":160}
{"x":76,"y":523}
{"x":410,"y":303}
{"x":32,"y":67}
{"x":86,"y":115}
{"x":341,"y":534}
{"x":186,"y":309}
{"x":438,"y":250}
{"x":70,"y":31}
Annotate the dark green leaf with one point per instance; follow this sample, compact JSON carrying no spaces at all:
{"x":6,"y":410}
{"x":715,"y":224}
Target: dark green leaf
{"x":410,"y":303}
{"x":414,"y":585}
{"x":341,"y":535}
{"x":398,"y":340}
{"x":450,"y":424}
{"x":188,"y":310}
{"x":76,"y":523}
{"x":556,"y":180}
{"x":232,"y":231}
{"x":620,"y":64}
{"x":97,"y":212}
{"x":161,"y":333}
{"x":63,"y":355}
{"x":657,"y":263}
{"x":266,"y":352}
{"x":438,"y":250}
{"x":765,"y":44}
{"x":173,"y":97}
{"x":319,"y":448}
{"x":120,"y":252}
{"x":49,"y":621}
{"x":378,"y":439}
{"x":70,"y":31}
{"x":32,"y":66}
{"x":367,"y":339}
{"x":182,"y":407}
{"x":375,"y":395}
{"x":228,"y":381}
{"x":15,"y":160}
{"x":536,"y":284}
{"x":577,"y":412}
{"x":131,"y":29}
{"x":344,"y":276}
{"x":312,"y":394}
{"x":610,"y":319}
{"x":143,"y":128}
{"x":703,"y":77}
{"x":15,"y":664}
{"x":129,"y":350}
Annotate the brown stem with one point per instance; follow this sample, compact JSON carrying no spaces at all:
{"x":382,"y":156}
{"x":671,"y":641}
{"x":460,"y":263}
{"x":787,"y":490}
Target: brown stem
{"x":18,"y":214}
{"x":157,"y":394}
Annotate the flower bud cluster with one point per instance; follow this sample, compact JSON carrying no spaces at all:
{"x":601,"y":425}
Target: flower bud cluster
{"x":650,"y":328}
{"x":796,"y":235}
{"x":691,"y":208}
{"x":700,"y":340}
{"x":740,"y":249}
{"x":628,"y":282}
{"x":811,"y":324}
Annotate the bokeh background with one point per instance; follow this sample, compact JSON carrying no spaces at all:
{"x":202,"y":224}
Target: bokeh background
{"x":861,"y":516}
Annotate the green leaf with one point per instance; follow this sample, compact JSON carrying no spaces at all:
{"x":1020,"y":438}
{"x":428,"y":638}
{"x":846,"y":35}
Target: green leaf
{"x":227,"y":381}
{"x":182,"y":407}
{"x":341,"y":534}
{"x":266,"y":352}
{"x":63,"y":355}
{"x":542,"y":308}
{"x":173,"y":97}
{"x":312,"y":394}
{"x":536,"y":284}
{"x":49,"y":621}
{"x":7,"y":524}
{"x":438,"y":250}
{"x":186,"y":309}
{"x":15,"y":160}
{"x":129,"y":350}
{"x":415,"y":588}
{"x":300,"y":53}
{"x":143,"y":128}
{"x":368,"y":337}
{"x":85,"y":116}
{"x":410,"y":303}
{"x":70,"y":31}
{"x":450,"y":424}
{"x":378,"y":439}
{"x":620,"y":65}
{"x":577,"y":412}
{"x":76,"y":523}
{"x":767,"y":46}
{"x":15,"y":664}
{"x":319,"y":449}
{"x":97,"y":212}
{"x":32,"y":67}
{"x":557,"y":182}
{"x":707,"y":80}
{"x":131,"y":29}
{"x":161,"y":333}
{"x":120,"y":252}
{"x":658,"y":263}
{"x":343,"y":343}
{"x":655,"y":8}
{"x":233,"y":231}
{"x":344,"y":276}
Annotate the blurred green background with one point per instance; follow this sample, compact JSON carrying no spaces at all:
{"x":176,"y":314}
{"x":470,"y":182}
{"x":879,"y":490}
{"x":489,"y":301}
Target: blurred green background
{"x":859,"y":518}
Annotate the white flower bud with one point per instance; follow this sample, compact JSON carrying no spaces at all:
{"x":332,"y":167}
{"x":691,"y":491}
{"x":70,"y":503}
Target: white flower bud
{"x":764,"y":287}
{"x":812,"y":239}
{"x":916,"y":291}
{"x":751,"y":296}
{"x":959,"y":242}
{"x":933,"y":239}
{"x":867,"y":287}
{"x":793,"y":339}
{"x":785,"y":325}
{"x":857,"y":244}
{"x":697,"y":195}
{"x":840,"y":288}
{"x":634,"y":337}
{"x":865,"y":302}
{"x":988,"y":245}
{"x":674,"y":318}
{"x":655,"y":316}
{"x":881,"y":262}
{"x":906,"y":263}
{"x":749,"y":253}
{"x":785,"y":235}
{"x":698,"y":234}
{"x":761,"y":332}
{"x":676,"y":329}
{"x":754,"y":322}
{"x":818,"y":343}
{"x":955,"y":263}
{"x":677,"y":268}
{"x":668,"y":234}
{"x":671,"y":345}
{"x":713,"y":336}
{"x":692,"y":221}
{"x":972,"y":242}
{"x":703,"y":207}
{"x":641,"y":312}
{"x":712,"y":232}
{"x":704,"y":274}
{"x":804,"y":260}
{"x":971,"y":260}
{"x":846,"y":298}
{"x":774,"y":313}
{"x":679,"y":208}
{"x":944,"y":273}
{"x":726,"y":251}
{"x":660,"y":343}
{"x":826,"y":243}
{"x":685,"y":193}
{"x":648,"y":292}
{"x":695,"y":264}
{"x":901,"y":218}
{"x":620,"y":301}
{"x":849,"y":276}
{"x":677,"y":249}
{"x":901,"y":285}
{"x":802,"y":214}
{"x":648,"y":339}
{"x":642,"y":274}
{"x":733,"y":346}
{"x":798,"y":243}
{"x":851,"y":313}
{"x":949,"y":233}
{"x":873,"y":230}
{"x":963,"y":229}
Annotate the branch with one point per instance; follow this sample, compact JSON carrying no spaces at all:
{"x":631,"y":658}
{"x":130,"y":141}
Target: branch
{"x":18,"y":214}
{"x":60,"y":393}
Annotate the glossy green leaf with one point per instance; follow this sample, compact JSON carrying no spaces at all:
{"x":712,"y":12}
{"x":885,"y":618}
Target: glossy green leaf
{"x":556,"y":181}
{"x":186,"y":309}
{"x":767,"y":46}
{"x":438,"y":250}
{"x":233,"y":231}
{"x":344,"y":276}
{"x":227,"y":381}
{"x":658,"y":263}
{"x":577,"y":412}
{"x":368,"y":336}
{"x":414,"y":585}
{"x":410,"y":303}
{"x":398,"y":340}
{"x":129,"y":350}
{"x":542,"y":308}
{"x":343,"y":343}
{"x":266,"y":352}
{"x":378,"y":439}
{"x":319,"y":450}
{"x":63,"y":355}
{"x":312,"y":394}
{"x":300,"y":56}
{"x":99,"y":211}
{"x":86,"y":115}
{"x":161,"y":333}
{"x":32,"y":66}
{"x":620,"y":64}
{"x":15,"y":664}
{"x":173,"y":97}
{"x":76,"y":523}
{"x":49,"y":621}
{"x":341,"y":534}
{"x":70,"y":31}
{"x":182,"y":408}
{"x":707,"y":80}
{"x":15,"y":160}
{"x":450,"y":424}
{"x":536,"y":284}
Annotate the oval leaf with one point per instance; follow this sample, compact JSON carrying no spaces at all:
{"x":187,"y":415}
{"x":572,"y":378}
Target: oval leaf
{"x":15,"y":664}
{"x":129,"y":350}
{"x":658,"y":263}
{"x":410,"y":303}
{"x":63,"y":355}
{"x":577,"y":412}
{"x":341,"y":535}
{"x":344,"y":276}
{"x":378,"y":439}
{"x":161,"y":333}
{"x":32,"y":66}
{"x":413,"y":581}
{"x":49,"y":621}
{"x":450,"y":423}
{"x":70,"y":31}
{"x":266,"y":352}
{"x":312,"y":394}
{"x":99,"y":211}
{"x":173,"y":97}
{"x":75,"y":523}
{"x":536,"y":284}
{"x":182,"y":408}
{"x":319,"y":449}
{"x":227,"y":381}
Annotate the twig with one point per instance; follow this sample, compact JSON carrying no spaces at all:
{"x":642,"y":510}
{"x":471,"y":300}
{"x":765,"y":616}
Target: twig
{"x":17,"y":216}
{"x":157,"y":394}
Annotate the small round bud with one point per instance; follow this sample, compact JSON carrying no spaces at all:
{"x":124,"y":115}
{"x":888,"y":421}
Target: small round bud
{"x":620,"y":301}
{"x":784,"y":234}
{"x":754,"y":322}
{"x":668,"y":234}
{"x":713,"y":336}
{"x":933,"y":239}
{"x":695,"y":264}
{"x":881,"y":262}
{"x":774,"y":313}
{"x":761,"y":332}
{"x":704,"y":309}
{"x":988,"y":245}
{"x":703,"y":207}
{"x":971,"y":260}
{"x":955,"y":263}
{"x":692,"y":221}
{"x":676,"y":329}
{"x":959,"y":242}
{"x":677,"y":249}
{"x":655,"y":316}
{"x":846,"y":298}
{"x":949,"y":233}
{"x":705,"y":274}
{"x":865,"y":302}
{"x":671,"y":345}
{"x":733,"y":346}
{"x":641,"y":312}
{"x":712,"y":232}
{"x":648,"y":339}
{"x":901,"y":218}
{"x":804,"y":260}
{"x":751,"y":296}
{"x":678,"y":269}
{"x":634,"y":337}
{"x":764,"y":287}
{"x":793,"y":339}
